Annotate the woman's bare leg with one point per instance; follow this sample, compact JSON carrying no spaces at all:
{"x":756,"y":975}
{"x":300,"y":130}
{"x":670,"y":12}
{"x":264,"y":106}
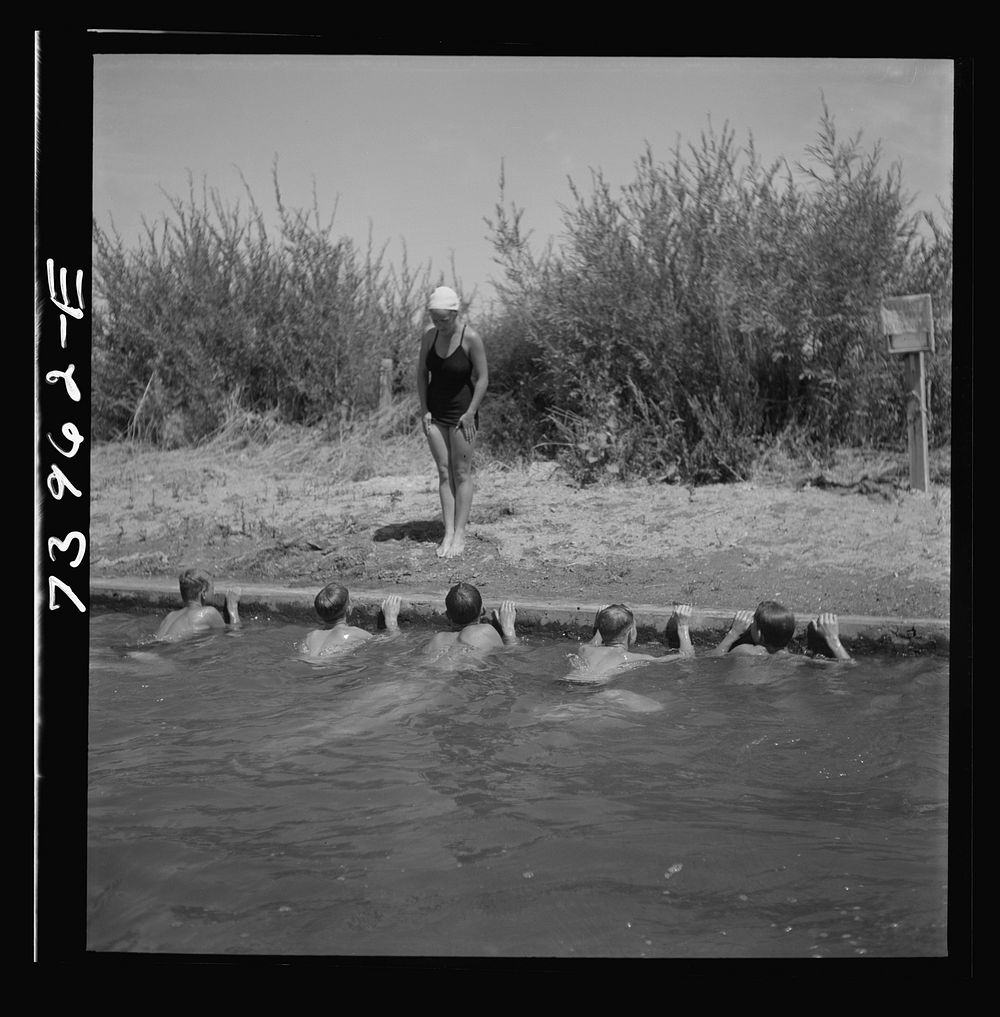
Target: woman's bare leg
{"x":437,"y":438}
{"x":461,"y":455}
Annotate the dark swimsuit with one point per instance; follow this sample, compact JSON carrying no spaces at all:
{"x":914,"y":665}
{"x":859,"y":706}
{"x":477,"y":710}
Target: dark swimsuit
{"x":449,"y":392}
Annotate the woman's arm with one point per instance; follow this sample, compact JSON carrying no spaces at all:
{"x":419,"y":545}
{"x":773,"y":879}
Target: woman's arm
{"x":422,"y":371}
{"x":477,"y":354}
{"x":425,"y":345}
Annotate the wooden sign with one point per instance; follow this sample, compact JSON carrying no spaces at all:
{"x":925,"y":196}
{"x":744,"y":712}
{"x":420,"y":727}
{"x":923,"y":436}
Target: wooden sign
{"x":908,"y":324}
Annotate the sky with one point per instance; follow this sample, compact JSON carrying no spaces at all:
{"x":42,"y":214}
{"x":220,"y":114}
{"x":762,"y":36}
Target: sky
{"x":408,"y":149}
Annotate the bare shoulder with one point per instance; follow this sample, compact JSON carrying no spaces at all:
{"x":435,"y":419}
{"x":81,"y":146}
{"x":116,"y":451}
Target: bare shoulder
{"x":313,"y":642}
{"x":357,"y":635}
{"x":187,"y":621}
{"x":168,"y":624}
{"x":747,"y":650}
{"x":211,"y":617}
{"x":342,"y":638}
{"x":440,"y":640}
{"x":480,"y":635}
{"x":602,"y":654}
{"x":473,"y":338}
{"x":605,"y":658}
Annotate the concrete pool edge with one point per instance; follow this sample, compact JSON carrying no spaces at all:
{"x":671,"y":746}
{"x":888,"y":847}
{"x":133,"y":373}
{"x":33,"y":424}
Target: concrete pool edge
{"x":294,"y":604}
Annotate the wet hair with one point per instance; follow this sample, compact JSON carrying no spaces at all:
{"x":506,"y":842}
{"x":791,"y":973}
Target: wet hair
{"x":331,"y":602}
{"x":775,"y":623}
{"x":464,"y":604}
{"x":194,"y":583}
{"x":613,"y":622}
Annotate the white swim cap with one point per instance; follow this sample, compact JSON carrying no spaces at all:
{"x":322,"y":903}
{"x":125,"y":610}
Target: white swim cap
{"x":443,"y":299}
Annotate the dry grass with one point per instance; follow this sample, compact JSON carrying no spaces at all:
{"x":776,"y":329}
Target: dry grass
{"x":382,"y":443}
{"x":298,"y":505}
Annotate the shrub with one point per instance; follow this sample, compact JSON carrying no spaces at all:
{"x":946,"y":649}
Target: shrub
{"x":717,"y":304}
{"x":209,"y":307}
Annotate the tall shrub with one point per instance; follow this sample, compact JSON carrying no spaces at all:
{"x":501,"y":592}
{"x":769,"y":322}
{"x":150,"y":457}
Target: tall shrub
{"x":210,"y":309}
{"x":712,"y":305}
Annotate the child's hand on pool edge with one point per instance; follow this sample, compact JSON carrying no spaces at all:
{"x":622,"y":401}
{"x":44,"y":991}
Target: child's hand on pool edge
{"x":682,"y":619}
{"x":827,"y":626}
{"x":390,"y":612}
{"x":740,"y":623}
{"x":505,"y":618}
{"x":232,"y":605}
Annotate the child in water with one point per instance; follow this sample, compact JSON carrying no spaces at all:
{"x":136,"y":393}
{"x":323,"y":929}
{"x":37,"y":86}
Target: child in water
{"x":609,"y":650}
{"x":770,"y":628}
{"x":333,"y":605}
{"x":767,"y":630}
{"x":464,"y":609}
{"x":197,"y":616}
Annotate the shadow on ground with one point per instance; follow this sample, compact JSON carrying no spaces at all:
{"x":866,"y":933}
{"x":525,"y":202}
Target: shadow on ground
{"x":423,"y":530}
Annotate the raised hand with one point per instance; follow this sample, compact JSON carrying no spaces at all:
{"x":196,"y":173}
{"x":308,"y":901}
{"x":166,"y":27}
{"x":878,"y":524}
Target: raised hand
{"x":682,"y":612}
{"x":390,"y":610}
{"x":682,"y":617}
{"x":232,"y":606}
{"x":827,"y":626}
{"x":505,"y":618}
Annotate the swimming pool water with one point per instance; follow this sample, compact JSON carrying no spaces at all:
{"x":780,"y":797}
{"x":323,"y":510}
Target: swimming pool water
{"x":242,"y":801}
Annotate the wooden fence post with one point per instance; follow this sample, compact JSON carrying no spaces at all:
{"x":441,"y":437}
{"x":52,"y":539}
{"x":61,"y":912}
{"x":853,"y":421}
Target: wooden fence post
{"x":385,"y":384}
{"x":908,"y":324}
{"x":916,"y":422}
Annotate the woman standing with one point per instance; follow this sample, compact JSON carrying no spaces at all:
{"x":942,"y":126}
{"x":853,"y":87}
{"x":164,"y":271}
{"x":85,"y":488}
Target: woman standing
{"x":451,"y":381}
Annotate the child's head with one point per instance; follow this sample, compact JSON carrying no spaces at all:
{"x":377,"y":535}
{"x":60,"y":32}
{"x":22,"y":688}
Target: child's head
{"x":195,"y":584}
{"x":463,"y":604}
{"x":774,"y":624}
{"x":616,"y":624}
{"x":332,"y":602}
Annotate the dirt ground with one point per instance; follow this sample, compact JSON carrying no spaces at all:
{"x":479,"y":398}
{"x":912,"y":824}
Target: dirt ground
{"x":851,"y":538}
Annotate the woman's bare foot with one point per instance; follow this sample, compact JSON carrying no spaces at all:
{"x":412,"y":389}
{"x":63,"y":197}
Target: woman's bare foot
{"x":456,"y":548}
{"x":444,"y":547}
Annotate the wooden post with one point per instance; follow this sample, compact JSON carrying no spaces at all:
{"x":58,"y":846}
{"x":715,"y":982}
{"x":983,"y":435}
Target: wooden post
{"x":916,"y":422}
{"x":385,"y":384}
{"x":908,"y":324}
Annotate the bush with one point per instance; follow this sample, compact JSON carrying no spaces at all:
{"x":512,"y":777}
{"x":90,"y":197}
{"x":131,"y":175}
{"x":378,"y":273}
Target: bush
{"x":715,"y":305}
{"x":714,"y":308}
{"x":210,"y":308}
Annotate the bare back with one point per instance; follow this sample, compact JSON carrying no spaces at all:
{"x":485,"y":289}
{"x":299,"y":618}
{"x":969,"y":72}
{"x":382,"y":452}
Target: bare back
{"x":481,"y":636}
{"x":477,"y":636}
{"x":323,"y":642}
{"x":599,"y":663}
{"x":189,"y":620}
{"x":753,"y":650}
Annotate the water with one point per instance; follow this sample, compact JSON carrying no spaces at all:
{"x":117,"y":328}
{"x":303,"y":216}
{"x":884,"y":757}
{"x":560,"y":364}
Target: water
{"x":244,"y":802}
